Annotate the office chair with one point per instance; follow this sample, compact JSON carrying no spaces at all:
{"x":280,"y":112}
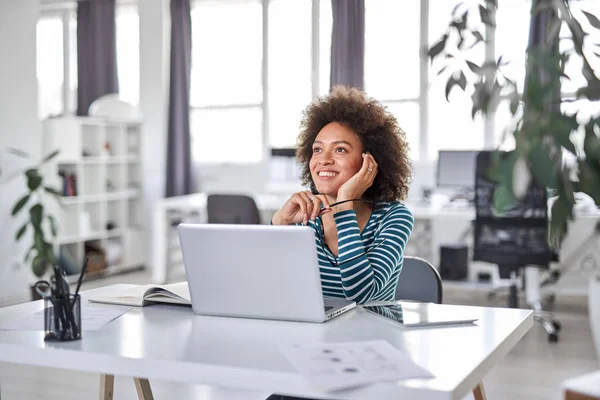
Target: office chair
{"x":419,"y":281}
{"x":231,"y":209}
{"x":515,"y":239}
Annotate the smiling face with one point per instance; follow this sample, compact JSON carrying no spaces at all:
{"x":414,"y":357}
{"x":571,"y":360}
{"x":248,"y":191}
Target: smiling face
{"x":336,"y":157}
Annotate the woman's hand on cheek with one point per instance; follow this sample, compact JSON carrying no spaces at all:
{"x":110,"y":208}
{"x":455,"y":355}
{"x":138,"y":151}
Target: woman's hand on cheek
{"x":356,"y":186}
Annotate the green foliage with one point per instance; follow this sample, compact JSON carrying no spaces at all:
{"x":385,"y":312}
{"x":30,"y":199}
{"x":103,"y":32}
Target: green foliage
{"x":42,"y":249}
{"x":543,"y":129}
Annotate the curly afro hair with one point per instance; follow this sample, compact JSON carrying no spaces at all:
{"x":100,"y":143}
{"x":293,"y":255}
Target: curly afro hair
{"x":377,"y":130}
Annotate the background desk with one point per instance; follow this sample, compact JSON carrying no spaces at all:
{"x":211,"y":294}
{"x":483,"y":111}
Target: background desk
{"x":171,"y":343}
{"x":434,"y":226}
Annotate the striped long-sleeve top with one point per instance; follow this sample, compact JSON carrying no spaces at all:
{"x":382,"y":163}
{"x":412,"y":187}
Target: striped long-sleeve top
{"x":361,"y":274}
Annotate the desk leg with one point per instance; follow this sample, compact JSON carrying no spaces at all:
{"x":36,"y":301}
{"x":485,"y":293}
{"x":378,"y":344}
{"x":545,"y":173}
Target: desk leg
{"x":478,"y":392}
{"x":107,"y":385}
{"x":143,"y":389}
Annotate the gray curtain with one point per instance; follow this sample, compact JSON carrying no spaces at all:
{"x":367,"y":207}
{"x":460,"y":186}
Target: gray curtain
{"x":96,"y":52}
{"x":348,"y":43}
{"x":179,"y":178}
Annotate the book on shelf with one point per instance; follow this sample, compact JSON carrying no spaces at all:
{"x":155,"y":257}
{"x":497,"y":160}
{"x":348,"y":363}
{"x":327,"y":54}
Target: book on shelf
{"x":144,"y":295}
{"x":69,"y":183}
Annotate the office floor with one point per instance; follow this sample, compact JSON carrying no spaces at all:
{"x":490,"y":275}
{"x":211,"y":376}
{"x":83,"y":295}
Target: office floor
{"x":533,"y":370}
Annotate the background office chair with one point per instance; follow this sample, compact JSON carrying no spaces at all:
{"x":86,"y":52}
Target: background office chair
{"x":231,"y":209}
{"x":419,"y":281}
{"x":515,"y":239}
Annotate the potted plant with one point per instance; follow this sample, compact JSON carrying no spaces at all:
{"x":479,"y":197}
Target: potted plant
{"x":40,"y":224}
{"x":543,"y":129}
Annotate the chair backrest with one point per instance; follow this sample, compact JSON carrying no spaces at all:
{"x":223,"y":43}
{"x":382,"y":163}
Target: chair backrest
{"x":517,"y":236}
{"x":232,"y":209}
{"x":419,"y":281}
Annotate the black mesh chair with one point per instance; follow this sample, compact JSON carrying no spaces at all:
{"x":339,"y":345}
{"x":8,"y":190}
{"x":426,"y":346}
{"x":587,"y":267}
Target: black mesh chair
{"x":514,"y":239}
{"x":419,"y":281}
{"x":231,"y":209}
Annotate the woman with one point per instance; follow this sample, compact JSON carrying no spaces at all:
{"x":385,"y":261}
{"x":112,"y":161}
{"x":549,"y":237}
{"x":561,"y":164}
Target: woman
{"x":356,"y":162}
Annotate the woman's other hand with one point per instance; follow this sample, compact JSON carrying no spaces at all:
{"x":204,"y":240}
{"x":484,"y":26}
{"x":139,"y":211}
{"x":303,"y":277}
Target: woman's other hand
{"x":301,"y":207}
{"x":356,"y":186}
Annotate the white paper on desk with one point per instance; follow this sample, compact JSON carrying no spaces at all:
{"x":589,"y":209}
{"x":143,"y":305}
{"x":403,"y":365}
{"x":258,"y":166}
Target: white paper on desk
{"x":336,"y":366}
{"x":92,"y":319}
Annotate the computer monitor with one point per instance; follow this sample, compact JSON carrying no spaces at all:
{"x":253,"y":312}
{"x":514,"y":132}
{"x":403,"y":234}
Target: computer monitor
{"x":456,"y":169}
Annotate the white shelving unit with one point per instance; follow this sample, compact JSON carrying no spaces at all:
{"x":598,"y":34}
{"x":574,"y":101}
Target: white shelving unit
{"x":101,"y":183}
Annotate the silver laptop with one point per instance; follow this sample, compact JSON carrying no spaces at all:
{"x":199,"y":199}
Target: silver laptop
{"x":256,"y":271}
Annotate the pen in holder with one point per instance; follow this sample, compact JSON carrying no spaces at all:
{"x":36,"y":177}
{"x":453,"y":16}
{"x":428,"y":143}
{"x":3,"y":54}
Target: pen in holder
{"x":62,"y":318}
{"x":62,"y":310}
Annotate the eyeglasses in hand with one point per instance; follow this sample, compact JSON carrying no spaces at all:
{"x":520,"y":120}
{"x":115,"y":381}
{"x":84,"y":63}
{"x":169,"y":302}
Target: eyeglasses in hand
{"x":321,"y":235}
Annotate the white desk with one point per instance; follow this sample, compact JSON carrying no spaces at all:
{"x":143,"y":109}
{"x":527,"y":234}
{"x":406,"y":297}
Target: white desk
{"x":585,"y":387}
{"x":171,"y":343}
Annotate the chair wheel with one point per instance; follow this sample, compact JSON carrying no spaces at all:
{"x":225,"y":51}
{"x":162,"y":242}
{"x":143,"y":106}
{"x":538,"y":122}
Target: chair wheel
{"x":553,"y":337}
{"x":556,"y":325}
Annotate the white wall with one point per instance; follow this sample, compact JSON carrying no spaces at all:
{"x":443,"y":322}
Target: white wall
{"x":19,"y":128}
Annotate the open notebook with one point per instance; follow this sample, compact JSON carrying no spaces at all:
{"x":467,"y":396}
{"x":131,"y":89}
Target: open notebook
{"x":143,"y":295}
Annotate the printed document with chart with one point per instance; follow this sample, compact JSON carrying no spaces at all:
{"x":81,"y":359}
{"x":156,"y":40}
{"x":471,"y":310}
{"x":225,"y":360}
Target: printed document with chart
{"x":336,"y":366}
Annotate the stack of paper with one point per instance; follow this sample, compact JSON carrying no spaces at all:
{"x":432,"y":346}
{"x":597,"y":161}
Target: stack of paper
{"x":339,"y":366}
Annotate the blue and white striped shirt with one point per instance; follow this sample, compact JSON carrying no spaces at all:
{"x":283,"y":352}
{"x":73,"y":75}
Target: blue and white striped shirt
{"x":372,"y":276}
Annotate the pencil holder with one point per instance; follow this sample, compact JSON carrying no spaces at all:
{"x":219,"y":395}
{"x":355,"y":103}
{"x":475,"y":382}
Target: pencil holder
{"x":62,"y":318}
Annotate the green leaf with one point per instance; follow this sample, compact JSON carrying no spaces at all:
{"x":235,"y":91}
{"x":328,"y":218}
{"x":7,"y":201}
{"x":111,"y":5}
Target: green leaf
{"x":504,"y":199}
{"x":502,"y":167}
{"x":563,"y":125}
{"x":451,"y":82}
{"x":561,"y":213}
{"x":38,"y":240}
{"x":36,"y":212}
{"x":21,"y":231}
{"x":50,"y":156}
{"x":19,"y":153}
{"x":34,"y":180}
{"x":485,"y":16}
{"x":28,"y":255}
{"x":474,"y":67}
{"x":594,"y":21}
{"x":38,"y":266}
{"x":49,"y":254}
{"x":53,"y":191}
{"x":20,"y":204}
{"x":478,"y":36}
{"x":589,"y":179}
{"x":442,"y":70}
{"x":438,"y":47}
{"x":462,"y":81}
{"x":542,"y":166}
{"x":52,"y":225}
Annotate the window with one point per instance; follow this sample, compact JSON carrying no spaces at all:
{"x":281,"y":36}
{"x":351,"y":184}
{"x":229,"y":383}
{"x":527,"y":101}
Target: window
{"x":239,"y":105}
{"x":226,"y":93}
{"x":392,"y":61}
{"x":57,"y":58}
{"x":450,"y":124}
{"x":50,"y":65}
{"x":128,"y":53}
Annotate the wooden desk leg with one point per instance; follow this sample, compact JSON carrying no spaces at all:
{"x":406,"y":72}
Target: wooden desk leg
{"x":107,"y":385}
{"x":143,"y":389}
{"x":478,"y":392}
